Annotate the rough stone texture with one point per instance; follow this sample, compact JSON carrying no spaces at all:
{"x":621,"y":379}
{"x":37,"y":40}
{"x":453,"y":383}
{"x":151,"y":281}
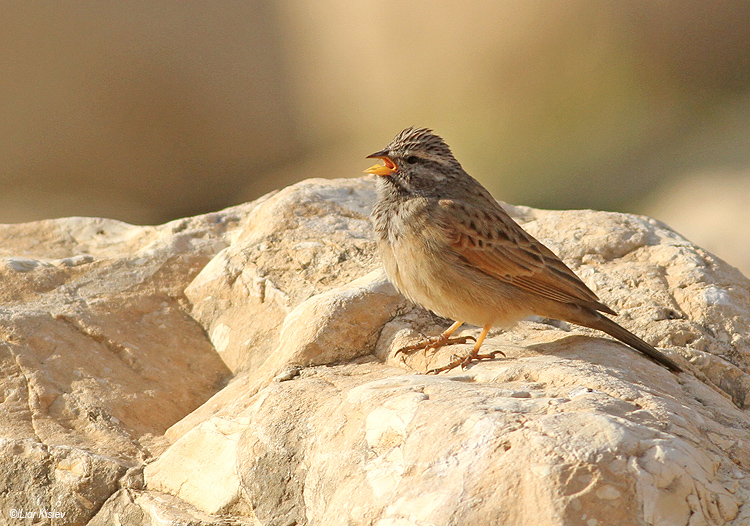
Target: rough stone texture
{"x":323,"y":423}
{"x":304,"y":240}
{"x":571,"y":427}
{"x":150,"y":508}
{"x":540,"y":442}
{"x":98,"y":356}
{"x":709,"y":208}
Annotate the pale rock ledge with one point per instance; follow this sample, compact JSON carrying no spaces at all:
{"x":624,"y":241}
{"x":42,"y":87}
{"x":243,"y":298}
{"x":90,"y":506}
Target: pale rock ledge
{"x":240,"y":368}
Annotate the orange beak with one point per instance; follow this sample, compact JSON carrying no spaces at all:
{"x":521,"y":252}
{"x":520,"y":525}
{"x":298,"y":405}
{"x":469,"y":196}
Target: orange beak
{"x":385,"y":169}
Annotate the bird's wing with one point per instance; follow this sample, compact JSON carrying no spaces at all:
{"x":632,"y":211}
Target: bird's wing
{"x":488,"y":239}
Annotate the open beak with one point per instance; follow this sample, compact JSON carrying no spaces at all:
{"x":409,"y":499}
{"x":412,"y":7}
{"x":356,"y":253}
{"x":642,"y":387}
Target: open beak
{"x":385,"y":169}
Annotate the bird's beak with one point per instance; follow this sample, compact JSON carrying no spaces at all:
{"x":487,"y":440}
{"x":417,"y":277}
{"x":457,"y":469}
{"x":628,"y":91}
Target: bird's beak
{"x":385,"y":169}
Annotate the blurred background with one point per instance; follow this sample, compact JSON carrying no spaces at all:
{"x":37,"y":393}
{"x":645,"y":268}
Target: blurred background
{"x":145,"y":111}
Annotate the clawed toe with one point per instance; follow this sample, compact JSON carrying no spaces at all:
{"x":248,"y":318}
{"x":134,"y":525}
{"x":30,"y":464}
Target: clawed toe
{"x":478,"y":357}
{"x":473,"y":356}
{"x":445,"y":339}
{"x":434,"y":344}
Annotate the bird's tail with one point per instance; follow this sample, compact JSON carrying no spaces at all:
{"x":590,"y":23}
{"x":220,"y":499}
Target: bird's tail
{"x":604,"y":324}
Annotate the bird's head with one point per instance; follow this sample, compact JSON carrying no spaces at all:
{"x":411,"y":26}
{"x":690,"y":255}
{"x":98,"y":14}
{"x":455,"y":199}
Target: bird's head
{"x":416,"y":160}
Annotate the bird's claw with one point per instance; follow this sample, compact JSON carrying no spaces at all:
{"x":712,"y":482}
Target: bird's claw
{"x":435,"y":344}
{"x":464,"y":362}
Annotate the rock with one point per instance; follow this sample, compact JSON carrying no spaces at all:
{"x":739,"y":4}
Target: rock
{"x":304,"y":240}
{"x":150,"y":508}
{"x":572,"y":425}
{"x":338,"y":325}
{"x":332,"y":327}
{"x":52,"y":479}
{"x":323,"y":422}
{"x":708,"y":208}
{"x":98,"y":356}
{"x":207,"y":481}
{"x":510,"y":442}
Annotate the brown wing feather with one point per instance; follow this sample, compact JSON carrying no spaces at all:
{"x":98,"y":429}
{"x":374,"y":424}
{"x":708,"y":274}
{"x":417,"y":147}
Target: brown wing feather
{"x":505,"y":251}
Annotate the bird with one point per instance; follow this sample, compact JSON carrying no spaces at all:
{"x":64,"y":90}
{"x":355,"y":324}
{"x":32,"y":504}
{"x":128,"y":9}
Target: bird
{"x":449,"y":246}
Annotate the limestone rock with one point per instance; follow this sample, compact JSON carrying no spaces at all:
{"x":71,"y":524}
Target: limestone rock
{"x":149,"y":508}
{"x":570,"y":428}
{"x":323,"y":421}
{"x":304,"y":240}
{"x":507,"y":442}
{"x":98,"y":356}
{"x":709,"y":208}
{"x":44,"y":478}
{"x":335,"y":326}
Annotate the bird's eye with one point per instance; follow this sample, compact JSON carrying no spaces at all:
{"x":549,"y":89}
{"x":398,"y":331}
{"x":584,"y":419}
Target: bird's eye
{"x":412,"y":159}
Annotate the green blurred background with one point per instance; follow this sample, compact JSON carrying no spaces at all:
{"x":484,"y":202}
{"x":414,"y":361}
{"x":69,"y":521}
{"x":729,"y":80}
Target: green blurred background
{"x":146,"y":111}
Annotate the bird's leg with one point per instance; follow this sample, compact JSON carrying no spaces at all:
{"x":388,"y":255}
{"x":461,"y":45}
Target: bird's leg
{"x":438,"y":341}
{"x":473,"y":355}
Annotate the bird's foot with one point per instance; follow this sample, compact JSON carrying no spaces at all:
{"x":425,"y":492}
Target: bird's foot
{"x":473,"y":356}
{"x":435,"y":343}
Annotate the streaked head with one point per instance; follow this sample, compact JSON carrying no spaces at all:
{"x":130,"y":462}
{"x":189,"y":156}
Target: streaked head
{"x":416,"y":159}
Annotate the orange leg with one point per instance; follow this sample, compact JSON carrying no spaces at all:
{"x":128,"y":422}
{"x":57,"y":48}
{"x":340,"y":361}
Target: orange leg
{"x":473,"y":355}
{"x":439,"y":341}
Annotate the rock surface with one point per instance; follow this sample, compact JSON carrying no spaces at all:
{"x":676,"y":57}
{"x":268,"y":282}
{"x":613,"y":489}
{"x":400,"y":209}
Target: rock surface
{"x":98,"y":355}
{"x":113,"y":392}
{"x":709,"y":207}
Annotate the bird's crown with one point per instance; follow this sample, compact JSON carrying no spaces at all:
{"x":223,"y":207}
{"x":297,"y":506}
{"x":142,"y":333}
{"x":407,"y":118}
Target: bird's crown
{"x":420,"y":140}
